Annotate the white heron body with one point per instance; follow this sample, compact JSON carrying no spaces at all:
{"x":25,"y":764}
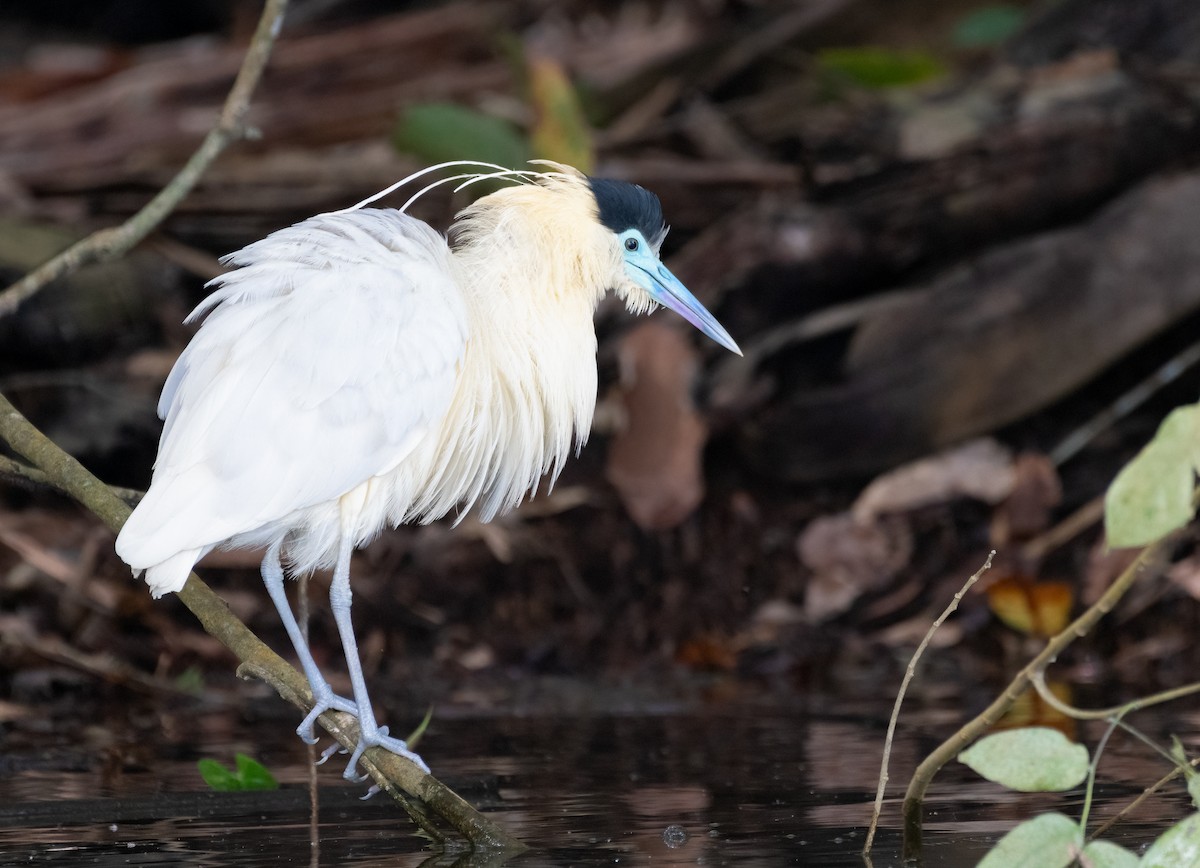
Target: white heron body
{"x":356,"y":370}
{"x":354,"y":373}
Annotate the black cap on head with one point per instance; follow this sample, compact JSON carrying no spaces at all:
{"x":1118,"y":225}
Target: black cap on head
{"x":627,"y":206}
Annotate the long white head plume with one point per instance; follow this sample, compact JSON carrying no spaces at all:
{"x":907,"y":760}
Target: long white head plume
{"x":516,"y":176}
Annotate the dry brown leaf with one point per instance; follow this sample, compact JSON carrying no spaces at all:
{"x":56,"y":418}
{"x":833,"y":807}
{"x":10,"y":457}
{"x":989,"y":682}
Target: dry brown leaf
{"x":1103,"y":566}
{"x":1186,"y":575}
{"x":1030,"y":709}
{"x":1026,"y":512}
{"x":10,"y":711}
{"x":654,"y":461}
{"x":848,"y":558}
{"x":981,"y":469}
{"x":708,"y":652}
{"x":1034,"y":608}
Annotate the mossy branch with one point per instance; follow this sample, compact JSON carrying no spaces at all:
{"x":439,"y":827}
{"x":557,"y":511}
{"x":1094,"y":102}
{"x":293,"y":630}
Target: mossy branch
{"x":114,"y":242}
{"x":391,"y":772}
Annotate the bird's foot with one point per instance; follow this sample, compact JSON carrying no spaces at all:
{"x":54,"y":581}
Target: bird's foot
{"x":324,"y":699}
{"x":377,"y":736}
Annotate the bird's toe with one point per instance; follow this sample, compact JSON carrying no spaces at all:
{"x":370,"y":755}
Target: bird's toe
{"x":379,"y":737}
{"x":330,"y":751}
{"x":324,"y":699}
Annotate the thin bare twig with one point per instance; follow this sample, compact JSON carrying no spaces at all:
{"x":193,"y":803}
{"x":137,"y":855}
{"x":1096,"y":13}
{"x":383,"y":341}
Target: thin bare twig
{"x":30,"y":477}
{"x":1077,"y":440}
{"x":908,"y":677}
{"x":1038,"y":680}
{"x":1145,"y":794}
{"x":116,"y":241}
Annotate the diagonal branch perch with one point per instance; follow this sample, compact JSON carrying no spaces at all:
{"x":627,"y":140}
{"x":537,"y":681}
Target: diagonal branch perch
{"x":389,"y":771}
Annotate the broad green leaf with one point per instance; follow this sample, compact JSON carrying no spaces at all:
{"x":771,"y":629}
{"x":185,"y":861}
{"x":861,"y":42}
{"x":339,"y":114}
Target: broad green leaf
{"x":1176,"y":847}
{"x":560,"y":131}
{"x":988,"y":26}
{"x":1048,"y":841}
{"x":218,"y":777}
{"x":253,"y":774}
{"x":250,"y":775}
{"x":439,"y":132}
{"x":1031,"y":760}
{"x":1152,"y":495}
{"x":1104,"y":854}
{"x":876,"y":67}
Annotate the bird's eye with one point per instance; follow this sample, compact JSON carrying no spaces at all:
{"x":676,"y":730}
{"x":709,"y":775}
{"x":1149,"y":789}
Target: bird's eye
{"x":631,"y":244}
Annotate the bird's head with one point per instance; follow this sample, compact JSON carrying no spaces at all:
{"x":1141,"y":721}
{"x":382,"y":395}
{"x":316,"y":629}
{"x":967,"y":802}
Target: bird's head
{"x":536,"y":224}
{"x":634,"y":217}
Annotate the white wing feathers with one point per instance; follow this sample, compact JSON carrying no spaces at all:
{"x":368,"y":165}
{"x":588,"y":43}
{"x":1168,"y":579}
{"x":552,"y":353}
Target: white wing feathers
{"x":326,"y":358}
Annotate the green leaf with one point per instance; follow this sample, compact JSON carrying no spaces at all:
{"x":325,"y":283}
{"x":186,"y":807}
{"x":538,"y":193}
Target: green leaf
{"x":415,"y":735}
{"x":560,"y":131}
{"x":988,"y":26}
{"x":1178,"y":846}
{"x":1152,"y":495}
{"x":1104,"y":854}
{"x":1179,"y":754}
{"x":1048,"y":841}
{"x":250,"y":775}
{"x":218,"y":777}
{"x":190,"y":680}
{"x":253,"y":774}
{"x":878,"y":68}
{"x":1193,"y":784}
{"x":439,"y":132}
{"x":1034,"y":759}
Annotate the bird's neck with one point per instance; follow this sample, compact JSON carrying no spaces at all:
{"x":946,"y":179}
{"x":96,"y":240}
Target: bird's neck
{"x":531,"y":351}
{"x":537,"y":244}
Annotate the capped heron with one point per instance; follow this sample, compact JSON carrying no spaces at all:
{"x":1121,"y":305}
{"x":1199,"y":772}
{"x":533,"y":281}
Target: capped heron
{"x":359,"y":369}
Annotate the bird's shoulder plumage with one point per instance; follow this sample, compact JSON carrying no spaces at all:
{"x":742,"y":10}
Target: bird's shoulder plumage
{"x":325,"y":357}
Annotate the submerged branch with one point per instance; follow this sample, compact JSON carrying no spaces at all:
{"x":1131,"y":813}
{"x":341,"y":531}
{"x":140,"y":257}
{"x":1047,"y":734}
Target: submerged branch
{"x":389,"y":771}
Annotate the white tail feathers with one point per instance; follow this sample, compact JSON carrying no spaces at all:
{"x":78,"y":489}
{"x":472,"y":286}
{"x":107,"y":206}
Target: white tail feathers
{"x":172,"y":574}
{"x":166,"y":577}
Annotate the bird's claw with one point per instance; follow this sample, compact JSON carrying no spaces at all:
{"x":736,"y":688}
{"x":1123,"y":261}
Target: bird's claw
{"x":330,"y":751}
{"x":375,"y":788}
{"x":378,"y":737}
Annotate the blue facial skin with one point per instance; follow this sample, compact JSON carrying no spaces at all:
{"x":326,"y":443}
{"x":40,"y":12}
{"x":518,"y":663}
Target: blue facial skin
{"x":644,"y":268}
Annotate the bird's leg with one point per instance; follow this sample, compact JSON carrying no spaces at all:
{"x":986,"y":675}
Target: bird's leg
{"x":323,"y":696}
{"x":370,"y":733}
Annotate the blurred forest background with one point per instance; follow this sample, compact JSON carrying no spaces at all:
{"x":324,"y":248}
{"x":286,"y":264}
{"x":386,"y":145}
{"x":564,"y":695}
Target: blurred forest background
{"x":948,"y":234}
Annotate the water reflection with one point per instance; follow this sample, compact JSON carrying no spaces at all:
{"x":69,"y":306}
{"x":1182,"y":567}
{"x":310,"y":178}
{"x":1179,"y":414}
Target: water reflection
{"x":748,"y":785}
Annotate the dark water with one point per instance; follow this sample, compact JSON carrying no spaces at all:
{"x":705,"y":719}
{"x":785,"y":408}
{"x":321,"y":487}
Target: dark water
{"x":735,"y":783}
